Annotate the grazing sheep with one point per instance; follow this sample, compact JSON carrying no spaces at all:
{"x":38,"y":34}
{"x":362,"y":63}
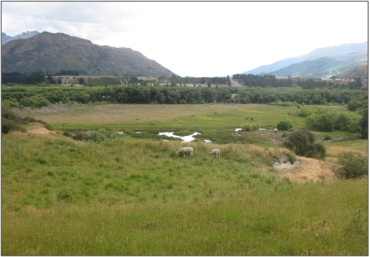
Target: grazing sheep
{"x":185,"y":150}
{"x":215,"y":153}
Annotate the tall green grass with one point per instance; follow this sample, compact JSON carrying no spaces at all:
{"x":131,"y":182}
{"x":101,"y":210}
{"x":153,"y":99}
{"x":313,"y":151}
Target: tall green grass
{"x":137,"y":197}
{"x":310,"y":219}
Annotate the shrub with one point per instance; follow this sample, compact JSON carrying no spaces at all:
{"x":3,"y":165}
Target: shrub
{"x":363,"y":123}
{"x":11,"y":121}
{"x":347,"y":121}
{"x":301,"y":142}
{"x":303,"y":112}
{"x":320,"y":120}
{"x":354,"y":165}
{"x":104,"y":135}
{"x":81,"y":136}
{"x":292,"y":157}
{"x":250,"y":126}
{"x":67,"y":134}
{"x":327,"y":137}
{"x":284,"y":125}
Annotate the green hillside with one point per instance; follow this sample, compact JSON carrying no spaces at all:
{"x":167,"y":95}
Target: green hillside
{"x":323,"y":67}
{"x":361,"y":72}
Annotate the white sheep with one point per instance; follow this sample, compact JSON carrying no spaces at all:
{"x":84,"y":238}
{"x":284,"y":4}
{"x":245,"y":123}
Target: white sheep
{"x":215,"y":153}
{"x":185,"y":150}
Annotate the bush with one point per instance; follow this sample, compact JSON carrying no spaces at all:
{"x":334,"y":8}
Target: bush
{"x":284,"y":125}
{"x":303,"y":112}
{"x":250,"y":126}
{"x":320,"y":120}
{"x":354,"y":165}
{"x":11,"y":121}
{"x":104,"y":135}
{"x":81,"y":136}
{"x":67,"y":134}
{"x":301,"y":142}
{"x":327,"y":137}
{"x":292,"y":157}
{"x":347,"y":121}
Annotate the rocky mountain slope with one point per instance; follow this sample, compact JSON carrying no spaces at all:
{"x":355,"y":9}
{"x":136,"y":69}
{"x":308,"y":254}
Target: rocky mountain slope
{"x":6,"y":38}
{"x":53,"y":52}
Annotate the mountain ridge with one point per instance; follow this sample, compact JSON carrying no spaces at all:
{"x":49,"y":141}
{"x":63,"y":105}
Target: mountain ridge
{"x":315,"y":54}
{"x":6,"y":38}
{"x":323,"y":67}
{"x":53,"y":52}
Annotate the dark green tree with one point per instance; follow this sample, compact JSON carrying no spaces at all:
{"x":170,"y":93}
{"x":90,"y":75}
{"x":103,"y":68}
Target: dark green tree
{"x":302,"y":143}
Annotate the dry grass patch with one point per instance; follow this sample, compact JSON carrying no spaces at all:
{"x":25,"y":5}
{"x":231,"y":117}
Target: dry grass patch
{"x":311,"y":170}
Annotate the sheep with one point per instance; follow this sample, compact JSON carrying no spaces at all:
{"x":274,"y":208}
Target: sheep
{"x":185,"y":150}
{"x":215,"y":153}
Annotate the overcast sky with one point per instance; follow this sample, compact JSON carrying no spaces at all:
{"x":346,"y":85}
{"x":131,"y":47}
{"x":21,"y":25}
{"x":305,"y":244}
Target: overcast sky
{"x":199,"y":38}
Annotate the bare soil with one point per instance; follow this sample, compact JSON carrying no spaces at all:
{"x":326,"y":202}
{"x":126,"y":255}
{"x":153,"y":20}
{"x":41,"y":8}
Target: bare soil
{"x":37,"y":128}
{"x":307,"y":170}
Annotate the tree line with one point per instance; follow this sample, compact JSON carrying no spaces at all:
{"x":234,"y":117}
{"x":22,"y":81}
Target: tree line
{"x":251,"y":80}
{"x":37,"y":96}
{"x":34,"y":78}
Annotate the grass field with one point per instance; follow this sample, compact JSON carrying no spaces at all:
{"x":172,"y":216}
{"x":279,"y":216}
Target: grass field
{"x":134,"y":196}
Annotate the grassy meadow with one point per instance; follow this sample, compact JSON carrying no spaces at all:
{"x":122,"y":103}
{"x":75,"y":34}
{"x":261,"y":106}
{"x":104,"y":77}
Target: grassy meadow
{"x":135,"y":196}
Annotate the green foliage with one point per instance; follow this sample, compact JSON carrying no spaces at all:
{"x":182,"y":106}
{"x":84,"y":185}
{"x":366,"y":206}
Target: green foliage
{"x":354,"y":165}
{"x":35,"y":78}
{"x":12,"y":102}
{"x":327,"y":137}
{"x":173,"y":95}
{"x":103,"y":135}
{"x":292,"y":157}
{"x":358,"y":103}
{"x":320,"y":120}
{"x":301,"y":142}
{"x":364,"y":123}
{"x":36,"y":101}
{"x":250,"y":126}
{"x":11,"y":121}
{"x":284,"y":125}
{"x":12,"y":77}
{"x":303,"y":112}
{"x":324,"y":120}
{"x":81,"y":136}
{"x":347,"y":121}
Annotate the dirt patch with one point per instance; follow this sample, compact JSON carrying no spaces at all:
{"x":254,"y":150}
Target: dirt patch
{"x":37,"y":128}
{"x":306,"y":170}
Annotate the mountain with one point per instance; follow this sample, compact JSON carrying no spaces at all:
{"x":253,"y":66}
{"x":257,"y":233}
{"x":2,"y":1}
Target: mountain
{"x":53,"y":52}
{"x":5,"y":38}
{"x":343,"y":49}
{"x":323,"y":67}
{"x":361,"y":72}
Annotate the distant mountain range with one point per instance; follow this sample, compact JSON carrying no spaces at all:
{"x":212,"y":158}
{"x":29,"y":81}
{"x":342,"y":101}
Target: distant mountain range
{"x":5,"y":38}
{"x":53,"y":52}
{"x":319,"y":63}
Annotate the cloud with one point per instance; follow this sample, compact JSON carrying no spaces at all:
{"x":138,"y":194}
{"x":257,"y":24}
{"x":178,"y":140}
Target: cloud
{"x":193,"y":38}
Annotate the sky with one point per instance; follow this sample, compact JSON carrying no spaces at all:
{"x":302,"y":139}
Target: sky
{"x":199,"y":39}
